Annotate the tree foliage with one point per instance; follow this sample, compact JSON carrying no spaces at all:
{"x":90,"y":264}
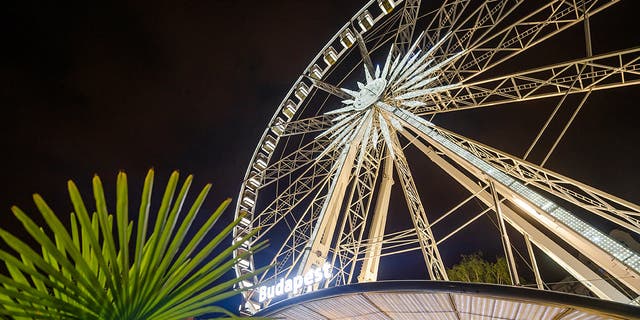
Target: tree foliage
{"x":106,"y":267}
{"x":474,"y":268}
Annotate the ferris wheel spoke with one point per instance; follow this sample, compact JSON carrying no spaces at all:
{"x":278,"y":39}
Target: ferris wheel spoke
{"x":430,"y":251}
{"x":464,"y":225}
{"x":298,"y":190}
{"x":364,"y":53}
{"x":331,"y":89}
{"x":287,"y":165}
{"x":307,"y":125}
{"x":604,"y":71}
{"x":443,"y":21}
{"x":290,"y":252}
{"x":538,"y":26}
{"x":381,"y":31}
{"x":461,"y":36}
{"x":292,"y":248}
{"x":404,"y":34}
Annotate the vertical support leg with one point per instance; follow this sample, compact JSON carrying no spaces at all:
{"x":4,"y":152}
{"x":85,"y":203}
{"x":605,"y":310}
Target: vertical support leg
{"x":506,"y":244}
{"x":534,"y":263}
{"x":369,"y":272}
{"x":574,"y":266}
{"x":428,"y":244}
{"x":320,"y":241}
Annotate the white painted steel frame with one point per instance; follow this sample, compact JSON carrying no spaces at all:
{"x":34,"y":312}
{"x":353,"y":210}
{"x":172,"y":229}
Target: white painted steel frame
{"x":338,"y":185}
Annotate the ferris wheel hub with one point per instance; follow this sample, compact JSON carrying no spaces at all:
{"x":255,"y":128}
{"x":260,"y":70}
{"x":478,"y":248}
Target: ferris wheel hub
{"x":369,"y":94}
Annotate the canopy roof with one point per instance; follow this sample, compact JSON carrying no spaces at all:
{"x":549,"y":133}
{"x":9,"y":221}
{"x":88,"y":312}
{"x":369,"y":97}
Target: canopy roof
{"x":408,"y":300}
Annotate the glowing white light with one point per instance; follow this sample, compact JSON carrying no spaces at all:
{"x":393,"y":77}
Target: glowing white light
{"x":295,"y":285}
{"x":524,"y":206}
{"x":369,"y":94}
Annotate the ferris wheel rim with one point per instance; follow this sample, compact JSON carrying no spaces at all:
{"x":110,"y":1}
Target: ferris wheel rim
{"x":291,"y":92}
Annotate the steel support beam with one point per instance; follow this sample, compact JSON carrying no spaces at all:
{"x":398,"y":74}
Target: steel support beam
{"x":316,"y":253}
{"x":534,"y":263}
{"x":407,"y":25}
{"x":428,"y":244}
{"x":371,"y":260}
{"x":604,"y":71}
{"x":571,"y":264}
{"x":598,"y":247}
{"x":506,"y":243}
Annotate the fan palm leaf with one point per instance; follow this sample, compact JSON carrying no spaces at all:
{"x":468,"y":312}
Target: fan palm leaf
{"x":94,"y":270}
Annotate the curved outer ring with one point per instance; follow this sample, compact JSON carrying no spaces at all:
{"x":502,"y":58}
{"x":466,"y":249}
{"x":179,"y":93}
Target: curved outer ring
{"x":268,"y":132}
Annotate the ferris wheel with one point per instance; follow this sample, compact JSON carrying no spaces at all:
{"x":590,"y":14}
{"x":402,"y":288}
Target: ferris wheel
{"x":340,"y":164}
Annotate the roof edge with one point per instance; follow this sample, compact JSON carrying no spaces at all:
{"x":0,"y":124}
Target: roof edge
{"x":625,"y":311}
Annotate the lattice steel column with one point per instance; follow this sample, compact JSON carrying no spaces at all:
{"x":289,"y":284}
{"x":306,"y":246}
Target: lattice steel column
{"x":428,"y":244}
{"x":371,"y":261}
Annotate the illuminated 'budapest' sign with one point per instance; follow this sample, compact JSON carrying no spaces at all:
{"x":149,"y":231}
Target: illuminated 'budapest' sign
{"x":295,"y":285}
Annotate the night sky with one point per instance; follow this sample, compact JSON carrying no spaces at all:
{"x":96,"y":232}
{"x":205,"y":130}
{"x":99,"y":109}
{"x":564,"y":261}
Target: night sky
{"x":96,"y":87}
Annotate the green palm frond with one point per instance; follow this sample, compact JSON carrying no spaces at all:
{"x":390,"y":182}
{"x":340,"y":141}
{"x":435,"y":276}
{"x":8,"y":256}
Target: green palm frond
{"x":95,"y":270}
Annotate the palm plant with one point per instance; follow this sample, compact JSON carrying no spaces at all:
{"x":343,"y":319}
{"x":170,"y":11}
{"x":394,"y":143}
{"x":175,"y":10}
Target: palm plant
{"x":95,"y":270}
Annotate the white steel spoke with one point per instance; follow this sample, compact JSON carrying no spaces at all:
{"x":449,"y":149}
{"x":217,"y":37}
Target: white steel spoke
{"x":293,"y":195}
{"x":291,"y":250}
{"x":566,"y":126}
{"x":407,"y":25}
{"x":307,"y":125}
{"x":364,"y":52}
{"x":293,"y":247}
{"x":300,"y":158}
{"x":331,"y":89}
{"x":538,"y":26}
{"x":595,"y":73}
{"x":443,"y":21}
{"x":466,"y":224}
{"x":462,"y":36}
{"x":452,"y":210}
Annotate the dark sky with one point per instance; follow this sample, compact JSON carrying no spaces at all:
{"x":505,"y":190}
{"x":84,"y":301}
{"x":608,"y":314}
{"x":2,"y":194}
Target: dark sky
{"x":95,"y":87}
{"x":99,"y":86}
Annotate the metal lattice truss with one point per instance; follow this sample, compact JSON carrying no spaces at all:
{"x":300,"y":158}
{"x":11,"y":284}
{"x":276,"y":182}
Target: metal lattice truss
{"x":614,"y":257}
{"x":427,"y":242}
{"x":486,"y":48}
{"x":320,"y":182}
{"x":407,"y":25}
{"x":595,"y":73}
{"x":599,"y":202}
{"x":354,"y":221}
